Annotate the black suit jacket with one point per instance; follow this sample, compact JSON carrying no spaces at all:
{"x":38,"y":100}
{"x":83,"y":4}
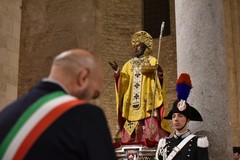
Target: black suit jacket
{"x":80,"y":133}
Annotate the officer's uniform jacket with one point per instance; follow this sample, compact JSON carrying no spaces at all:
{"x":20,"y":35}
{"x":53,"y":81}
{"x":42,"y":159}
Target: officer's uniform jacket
{"x":195,"y":149}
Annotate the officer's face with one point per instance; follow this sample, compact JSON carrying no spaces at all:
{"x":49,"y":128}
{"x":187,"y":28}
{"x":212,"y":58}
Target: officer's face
{"x":179,"y":121}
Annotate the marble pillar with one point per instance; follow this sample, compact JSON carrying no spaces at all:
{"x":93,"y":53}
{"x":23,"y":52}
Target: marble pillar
{"x":201,"y":53}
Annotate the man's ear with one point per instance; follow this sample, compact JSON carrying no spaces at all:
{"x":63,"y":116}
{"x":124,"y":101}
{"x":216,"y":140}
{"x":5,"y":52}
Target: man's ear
{"x":83,"y":77}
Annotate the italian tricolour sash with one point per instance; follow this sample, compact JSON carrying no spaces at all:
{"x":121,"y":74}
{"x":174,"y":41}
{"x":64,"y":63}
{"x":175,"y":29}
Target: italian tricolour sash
{"x":33,"y":122}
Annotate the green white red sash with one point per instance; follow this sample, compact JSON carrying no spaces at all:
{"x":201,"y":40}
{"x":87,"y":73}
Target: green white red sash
{"x":33,"y":122}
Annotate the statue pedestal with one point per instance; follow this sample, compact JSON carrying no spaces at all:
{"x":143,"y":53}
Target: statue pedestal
{"x":135,"y":152}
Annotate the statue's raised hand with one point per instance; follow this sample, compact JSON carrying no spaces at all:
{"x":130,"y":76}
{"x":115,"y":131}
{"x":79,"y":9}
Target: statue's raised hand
{"x":114,"y":65}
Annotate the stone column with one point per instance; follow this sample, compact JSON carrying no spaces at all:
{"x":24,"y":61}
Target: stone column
{"x":10,"y":24}
{"x":201,"y":53}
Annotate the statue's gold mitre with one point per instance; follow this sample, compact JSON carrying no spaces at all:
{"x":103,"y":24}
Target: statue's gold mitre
{"x":143,"y":36}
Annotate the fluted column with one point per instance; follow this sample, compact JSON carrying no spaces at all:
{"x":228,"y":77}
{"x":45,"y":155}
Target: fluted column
{"x":201,"y":53}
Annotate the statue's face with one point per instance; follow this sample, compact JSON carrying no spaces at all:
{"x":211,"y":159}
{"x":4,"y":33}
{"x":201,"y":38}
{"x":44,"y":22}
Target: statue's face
{"x":137,"y":46}
{"x":139,"y":49}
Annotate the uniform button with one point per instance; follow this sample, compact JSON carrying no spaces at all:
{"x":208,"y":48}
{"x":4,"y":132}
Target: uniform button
{"x":188,"y":155}
{"x":189,"y":150}
{"x":190,"y":144}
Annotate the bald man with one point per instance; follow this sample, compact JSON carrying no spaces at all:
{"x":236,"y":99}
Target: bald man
{"x":55,"y":120}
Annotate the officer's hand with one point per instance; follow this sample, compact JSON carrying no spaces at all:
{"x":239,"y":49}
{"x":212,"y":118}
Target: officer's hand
{"x":114,"y":65}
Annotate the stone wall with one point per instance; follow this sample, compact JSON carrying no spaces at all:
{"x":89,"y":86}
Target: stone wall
{"x":10,"y":20}
{"x":48,"y":28}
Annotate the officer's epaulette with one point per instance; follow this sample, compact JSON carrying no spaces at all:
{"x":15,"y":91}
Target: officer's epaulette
{"x":162,"y":142}
{"x":202,"y":142}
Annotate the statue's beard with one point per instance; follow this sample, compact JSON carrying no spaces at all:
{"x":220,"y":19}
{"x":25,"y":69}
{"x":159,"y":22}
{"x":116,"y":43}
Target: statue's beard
{"x":139,"y":53}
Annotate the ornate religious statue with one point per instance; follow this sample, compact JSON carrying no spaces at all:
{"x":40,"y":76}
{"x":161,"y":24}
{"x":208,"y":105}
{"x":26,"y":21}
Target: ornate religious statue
{"x":139,"y":94}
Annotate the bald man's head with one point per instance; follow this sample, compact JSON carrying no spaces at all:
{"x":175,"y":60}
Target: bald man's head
{"x":79,"y":72}
{"x":73,"y":60}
